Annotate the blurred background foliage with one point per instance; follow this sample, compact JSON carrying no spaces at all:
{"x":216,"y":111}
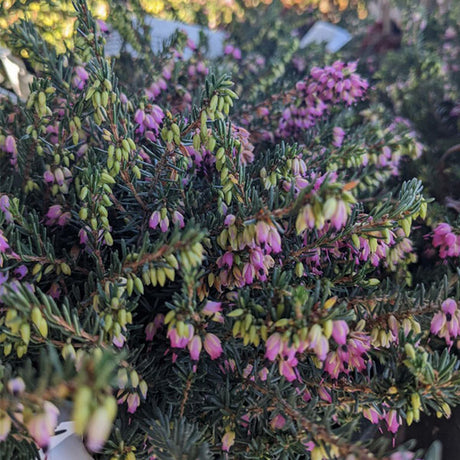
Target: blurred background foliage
{"x":55,"y":18}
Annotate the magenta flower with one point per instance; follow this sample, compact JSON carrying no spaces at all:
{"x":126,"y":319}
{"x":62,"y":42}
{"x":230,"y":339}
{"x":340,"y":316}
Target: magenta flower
{"x":393,"y":421}
{"x":273,"y":346}
{"x":228,"y":49}
{"x":263,"y":374}
{"x":287,"y":370}
{"x":102,"y":25}
{"x":324,"y":394}
{"x":446,"y":323}
{"x":372,"y":414}
{"x":212,"y":345}
{"x":446,"y":240}
{"x":176,"y":340}
{"x":339,"y":331}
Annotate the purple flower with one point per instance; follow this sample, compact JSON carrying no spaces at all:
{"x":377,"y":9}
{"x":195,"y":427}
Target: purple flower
{"x":81,"y":77}
{"x":154,"y":219}
{"x":338,"y":134}
{"x":20,"y":271}
{"x":102,"y":25}
{"x":16,"y":386}
{"x":3,"y":242}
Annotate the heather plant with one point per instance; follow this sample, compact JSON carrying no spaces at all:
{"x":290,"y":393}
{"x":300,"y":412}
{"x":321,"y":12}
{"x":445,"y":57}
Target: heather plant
{"x":196,"y":275}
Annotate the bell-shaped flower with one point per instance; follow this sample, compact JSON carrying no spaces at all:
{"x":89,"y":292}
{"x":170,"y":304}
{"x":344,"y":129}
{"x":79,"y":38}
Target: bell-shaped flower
{"x":212,"y":345}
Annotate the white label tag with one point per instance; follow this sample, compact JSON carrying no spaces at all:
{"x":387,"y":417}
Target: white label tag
{"x":323,"y":32}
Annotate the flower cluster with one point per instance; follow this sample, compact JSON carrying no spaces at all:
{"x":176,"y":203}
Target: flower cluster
{"x":446,"y":323}
{"x":316,"y":95}
{"x":446,"y":240}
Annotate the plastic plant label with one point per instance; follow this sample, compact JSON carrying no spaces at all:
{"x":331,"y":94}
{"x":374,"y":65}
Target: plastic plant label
{"x":323,"y":32}
{"x":161,"y":30}
{"x":66,"y":445}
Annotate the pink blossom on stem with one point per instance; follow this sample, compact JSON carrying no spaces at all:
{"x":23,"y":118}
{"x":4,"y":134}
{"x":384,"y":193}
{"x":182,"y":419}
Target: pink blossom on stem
{"x":278,"y":422}
{"x":273,"y":346}
{"x":152,"y":328}
{"x":228,"y":440}
{"x":339,"y":331}
{"x":133,"y":402}
{"x":212,"y":345}
{"x":194,"y":347}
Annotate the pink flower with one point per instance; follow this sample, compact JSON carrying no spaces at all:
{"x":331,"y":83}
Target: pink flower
{"x":154,"y":219}
{"x":178,"y":219}
{"x":164,"y":224}
{"x":263,"y":374}
{"x":5,"y":426}
{"x":339,"y":219}
{"x":278,"y":422}
{"x":213,"y":309}
{"x":212,"y":345}
{"x":81,"y":77}
{"x":228,"y":440}
{"x":133,"y":402}
{"x":102,"y":25}
{"x":371,"y":414}
{"x":393,"y":421}
{"x":3,"y":242}
{"x":16,"y":386}
{"x":10,"y":144}
{"x":194,"y":347}
{"x":229,"y":220}
{"x":273,"y":346}
{"x":324,"y":394}
{"x":176,"y":340}
{"x":339,"y":331}
{"x":152,"y":328}
{"x":338,"y":134}
{"x":287,"y":370}
{"x":55,"y":215}
{"x":41,"y":426}
{"x":446,"y":323}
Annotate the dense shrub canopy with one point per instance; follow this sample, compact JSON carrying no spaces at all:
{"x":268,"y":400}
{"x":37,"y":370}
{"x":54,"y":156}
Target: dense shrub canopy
{"x":216,"y":259}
